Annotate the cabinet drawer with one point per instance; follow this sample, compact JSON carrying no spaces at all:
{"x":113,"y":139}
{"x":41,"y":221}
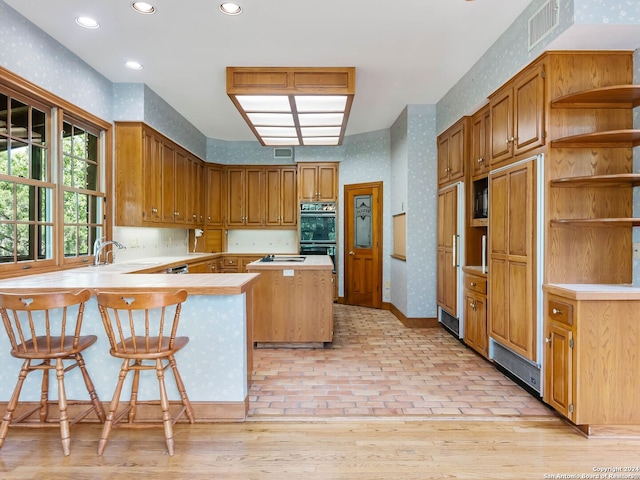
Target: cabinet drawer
{"x":230,"y":261}
{"x":475,"y":284}
{"x":560,"y":311}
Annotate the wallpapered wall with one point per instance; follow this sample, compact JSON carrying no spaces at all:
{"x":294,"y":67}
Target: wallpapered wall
{"x":403,"y":157}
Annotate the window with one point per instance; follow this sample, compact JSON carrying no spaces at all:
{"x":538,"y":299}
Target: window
{"x":26,"y":193}
{"x":52,"y":191}
{"x":82,"y":200}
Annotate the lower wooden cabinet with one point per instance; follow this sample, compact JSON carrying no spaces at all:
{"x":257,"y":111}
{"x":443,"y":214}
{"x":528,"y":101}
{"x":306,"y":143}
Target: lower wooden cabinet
{"x":475,"y":313}
{"x":591,"y":359}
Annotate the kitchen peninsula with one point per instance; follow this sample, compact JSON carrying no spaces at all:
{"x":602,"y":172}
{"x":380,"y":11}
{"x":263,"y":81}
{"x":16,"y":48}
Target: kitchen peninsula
{"x":216,"y":365}
{"x":293,"y":300}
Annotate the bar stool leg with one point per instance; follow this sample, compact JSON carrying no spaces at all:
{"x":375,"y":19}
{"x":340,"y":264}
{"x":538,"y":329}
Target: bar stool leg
{"x":133,"y":401}
{"x":183,"y":392}
{"x":164,"y":404}
{"x":95,"y":401}
{"x":65,"y":434}
{"x":113,"y":407}
{"x":44,"y":395}
{"x":13,"y":402}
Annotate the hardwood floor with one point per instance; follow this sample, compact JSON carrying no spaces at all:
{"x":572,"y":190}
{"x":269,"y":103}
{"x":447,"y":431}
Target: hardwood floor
{"x":429,"y":448}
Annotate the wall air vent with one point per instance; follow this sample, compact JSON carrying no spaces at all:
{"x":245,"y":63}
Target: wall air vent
{"x":543,"y":22}
{"x":283,"y":153}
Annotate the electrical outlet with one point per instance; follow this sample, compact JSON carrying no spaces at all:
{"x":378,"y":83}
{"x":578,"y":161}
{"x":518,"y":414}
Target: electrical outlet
{"x":387,"y":284}
{"x":636,"y":251}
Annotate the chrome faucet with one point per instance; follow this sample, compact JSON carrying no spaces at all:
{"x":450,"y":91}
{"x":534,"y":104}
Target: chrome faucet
{"x":99,"y":245}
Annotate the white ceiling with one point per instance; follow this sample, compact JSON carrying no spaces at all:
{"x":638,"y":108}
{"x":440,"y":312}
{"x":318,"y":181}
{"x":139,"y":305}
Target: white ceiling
{"x":405,"y":51}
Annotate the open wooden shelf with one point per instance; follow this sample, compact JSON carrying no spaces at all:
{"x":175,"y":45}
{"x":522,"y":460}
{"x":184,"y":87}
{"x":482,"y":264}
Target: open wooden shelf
{"x":615,"y":180}
{"x":611,"y":139}
{"x":597,"y":222}
{"x":617,"y":96}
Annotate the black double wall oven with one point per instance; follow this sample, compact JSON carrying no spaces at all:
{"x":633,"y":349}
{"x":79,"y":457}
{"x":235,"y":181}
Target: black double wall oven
{"x":318,"y":229}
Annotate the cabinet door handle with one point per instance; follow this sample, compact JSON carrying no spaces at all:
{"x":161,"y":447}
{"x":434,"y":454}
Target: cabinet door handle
{"x":154,"y":210}
{"x":473,"y":284}
{"x":480,"y":160}
{"x":555,"y":311}
{"x":454,"y":248}
{"x":473,"y":305}
{"x":547,"y":340}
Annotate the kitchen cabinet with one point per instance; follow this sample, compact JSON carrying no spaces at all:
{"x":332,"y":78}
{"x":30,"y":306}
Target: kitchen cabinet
{"x":195,"y":195}
{"x":480,"y":143}
{"x":447,"y":259}
{"x":229,"y":264}
{"x":452,"y":150}
{"x":214,"y":195}
{"x":475,"y":313}
{"x":591,"y":377}
{"x":293,"y":301}
{"x":318,"y":182}
{"x":513,"y":258}
{"x":281,"y":206}
{"x":245,"y":196}
{"x":517,"y":112}
{"x":152,"y":178}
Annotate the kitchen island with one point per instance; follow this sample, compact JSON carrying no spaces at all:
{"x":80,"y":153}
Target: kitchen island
{"x":216,"y":365}
{"x":293,"y":300}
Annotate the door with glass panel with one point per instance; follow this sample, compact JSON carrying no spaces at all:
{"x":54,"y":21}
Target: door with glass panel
{"x":363,"y":244}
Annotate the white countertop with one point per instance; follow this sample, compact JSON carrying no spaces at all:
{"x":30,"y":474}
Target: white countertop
{"x":593,"y":291}
{"x":280,"y":262}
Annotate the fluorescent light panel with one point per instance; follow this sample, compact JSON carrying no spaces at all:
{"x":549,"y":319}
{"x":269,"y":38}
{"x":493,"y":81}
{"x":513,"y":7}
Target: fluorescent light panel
{"x":293,"y":106}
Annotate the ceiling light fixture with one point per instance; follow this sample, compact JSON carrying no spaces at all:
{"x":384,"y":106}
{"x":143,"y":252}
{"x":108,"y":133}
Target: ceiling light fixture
{"x":229,"y":8}
{"x":87,"y":22}
{"x":293,"y":106}
{"x":143,"y":7}
{"x":133,"y":65}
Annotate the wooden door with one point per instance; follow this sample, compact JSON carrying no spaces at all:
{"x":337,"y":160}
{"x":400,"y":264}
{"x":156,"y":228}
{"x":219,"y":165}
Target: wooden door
{"x":254,"y":195}
{"x":327,"y":179}
{"x":181,"y":187}
{"x":273,"y":187}
{"x":447,"y":271}
{"x":501,"y":107}
{"x":307,"y":182}
{"x":443,"y":159}
{"x":168,"y":183}
{"x":528,"y":107}
{"x":152,"y":177}
{"x":363,"y":244}
{"x":289,"y":197}
{"x":558,"y":365}
{"x":512,"y":317}
{"x":456,"y":152}
{"x":235,"y":196}
{"x":214,"y":189}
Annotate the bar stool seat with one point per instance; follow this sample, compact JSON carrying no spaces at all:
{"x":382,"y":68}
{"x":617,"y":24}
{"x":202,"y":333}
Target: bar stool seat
{"x":142,"y":327}
{"x":30,"y":320}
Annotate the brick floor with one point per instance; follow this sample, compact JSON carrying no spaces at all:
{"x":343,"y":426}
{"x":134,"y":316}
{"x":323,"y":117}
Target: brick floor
{"x":376,"y":366}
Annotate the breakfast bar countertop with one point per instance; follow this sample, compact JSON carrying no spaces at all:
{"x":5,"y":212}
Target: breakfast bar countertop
{"x":87,"y":277}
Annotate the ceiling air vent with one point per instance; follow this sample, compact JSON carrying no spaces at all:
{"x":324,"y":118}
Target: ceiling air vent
{"x":283,"y":153}
{"x":543,"y":22}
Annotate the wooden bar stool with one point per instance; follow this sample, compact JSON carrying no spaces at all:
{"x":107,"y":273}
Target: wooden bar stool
{"x":142,"y":327}
{"x":30,"y":320}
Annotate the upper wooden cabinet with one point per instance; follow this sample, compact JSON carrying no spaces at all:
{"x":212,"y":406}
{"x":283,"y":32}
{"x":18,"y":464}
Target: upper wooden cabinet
{"x":214,"y":195}
{"x":480,"y":143}
{"x":452,"y":149}
{"x":245,"y":196}
{"x":281,"y":206}
{"x":154,"y":179}
{"x":517,"y":112}
{"x":318,"y":182}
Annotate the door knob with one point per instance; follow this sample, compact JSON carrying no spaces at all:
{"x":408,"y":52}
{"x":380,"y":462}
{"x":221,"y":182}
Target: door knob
{"x":352,"y":252}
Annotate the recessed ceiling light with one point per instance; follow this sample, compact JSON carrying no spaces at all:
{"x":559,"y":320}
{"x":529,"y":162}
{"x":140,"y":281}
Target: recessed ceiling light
{"x":87,"y":22}
{"x":143,"y":7}
{"x":230,"y":8}
{"x":133,"y":65}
